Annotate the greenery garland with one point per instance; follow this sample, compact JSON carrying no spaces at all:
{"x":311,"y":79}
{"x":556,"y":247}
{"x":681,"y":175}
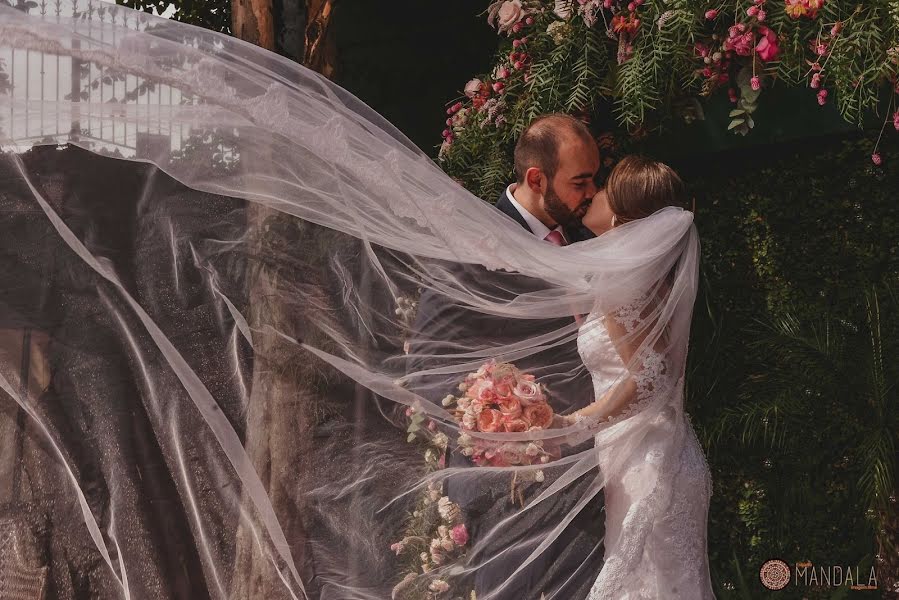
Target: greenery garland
{"x":658,"y":62}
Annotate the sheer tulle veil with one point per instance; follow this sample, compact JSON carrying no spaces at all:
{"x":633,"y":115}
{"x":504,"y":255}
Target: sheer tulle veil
{"x":214,"y":360}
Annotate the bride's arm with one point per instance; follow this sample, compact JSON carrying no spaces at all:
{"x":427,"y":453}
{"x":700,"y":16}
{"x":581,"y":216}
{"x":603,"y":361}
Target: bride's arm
{"x":622,"y":329}
{"x":611,"y":404}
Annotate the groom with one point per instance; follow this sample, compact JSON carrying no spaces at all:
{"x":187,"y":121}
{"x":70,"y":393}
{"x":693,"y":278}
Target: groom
{"x":556,"y":160}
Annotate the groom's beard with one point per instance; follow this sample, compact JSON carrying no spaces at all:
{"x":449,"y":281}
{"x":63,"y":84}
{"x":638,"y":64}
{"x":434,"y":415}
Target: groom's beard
{"x":560,"y":213}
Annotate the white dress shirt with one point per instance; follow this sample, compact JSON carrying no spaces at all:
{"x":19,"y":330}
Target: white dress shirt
{"x":536,"y":225}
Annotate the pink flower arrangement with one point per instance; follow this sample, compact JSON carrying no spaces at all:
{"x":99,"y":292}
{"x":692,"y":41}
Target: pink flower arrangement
{"x":499,"y":398}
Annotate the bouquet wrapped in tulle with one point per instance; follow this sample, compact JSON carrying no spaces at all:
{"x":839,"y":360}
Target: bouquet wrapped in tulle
{"x":497,"y":398}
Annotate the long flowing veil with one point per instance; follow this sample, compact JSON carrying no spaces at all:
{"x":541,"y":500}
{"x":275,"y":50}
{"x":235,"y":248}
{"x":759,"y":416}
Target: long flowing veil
{"x":255,"y":343}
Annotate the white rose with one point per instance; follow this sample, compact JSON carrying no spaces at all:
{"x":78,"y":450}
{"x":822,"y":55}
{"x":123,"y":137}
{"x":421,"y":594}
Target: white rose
{"x":448,"y":510}
{"x":562,"y":9}
{"x":461,"y":119}
{"x":472,"y":88}
{"x":527,"y":392}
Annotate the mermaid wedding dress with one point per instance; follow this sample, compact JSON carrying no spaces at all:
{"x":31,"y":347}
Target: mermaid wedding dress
{"x":674,"y":561}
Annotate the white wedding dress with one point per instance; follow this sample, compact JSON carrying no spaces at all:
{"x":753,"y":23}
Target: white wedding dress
{"x":674,"y":562}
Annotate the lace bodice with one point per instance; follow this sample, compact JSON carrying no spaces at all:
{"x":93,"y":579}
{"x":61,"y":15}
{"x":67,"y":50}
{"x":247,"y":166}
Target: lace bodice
{"x":606,"y":367}
{"x":661,"y":553}
{"x":599,"y":355}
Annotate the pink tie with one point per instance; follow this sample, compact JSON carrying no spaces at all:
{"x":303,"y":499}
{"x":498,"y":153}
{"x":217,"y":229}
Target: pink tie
{"x":555,"y":237}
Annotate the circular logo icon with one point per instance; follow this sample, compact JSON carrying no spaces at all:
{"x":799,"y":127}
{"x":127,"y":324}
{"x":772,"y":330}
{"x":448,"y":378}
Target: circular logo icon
{"x":775,"y":574}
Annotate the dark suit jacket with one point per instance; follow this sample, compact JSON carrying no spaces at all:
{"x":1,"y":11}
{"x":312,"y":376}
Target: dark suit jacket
{"x":569,"y":566}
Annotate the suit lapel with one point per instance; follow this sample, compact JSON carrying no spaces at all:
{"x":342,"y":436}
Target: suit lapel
{"x":505,"y":206}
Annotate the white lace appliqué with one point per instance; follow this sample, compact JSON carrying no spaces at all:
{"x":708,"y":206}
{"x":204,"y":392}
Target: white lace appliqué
{"x":652,"y":376}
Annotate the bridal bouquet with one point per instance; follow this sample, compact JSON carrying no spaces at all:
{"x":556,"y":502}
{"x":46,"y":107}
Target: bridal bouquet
{"x":499,"y":397}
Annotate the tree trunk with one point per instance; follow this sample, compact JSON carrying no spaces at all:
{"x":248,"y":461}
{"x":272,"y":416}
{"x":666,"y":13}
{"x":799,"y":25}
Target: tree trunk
{"x":277,"y":433}
{"x":320,"y":52}
{"x":252,"y":21}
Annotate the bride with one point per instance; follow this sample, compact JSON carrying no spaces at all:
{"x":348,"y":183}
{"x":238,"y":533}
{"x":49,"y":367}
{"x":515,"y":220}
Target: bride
{"x":212,"y":264}
{"x":672,"y":560}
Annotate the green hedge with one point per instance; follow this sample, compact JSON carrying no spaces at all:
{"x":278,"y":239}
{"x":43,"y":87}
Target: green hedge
{"x":796,"y":240}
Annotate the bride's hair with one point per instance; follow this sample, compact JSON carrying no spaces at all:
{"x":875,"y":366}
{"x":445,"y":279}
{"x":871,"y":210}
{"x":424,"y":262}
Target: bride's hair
{"x":639,"y":186}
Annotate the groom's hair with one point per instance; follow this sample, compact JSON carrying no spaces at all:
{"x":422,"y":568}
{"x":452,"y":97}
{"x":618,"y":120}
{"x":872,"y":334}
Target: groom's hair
{"x":539,"y":143}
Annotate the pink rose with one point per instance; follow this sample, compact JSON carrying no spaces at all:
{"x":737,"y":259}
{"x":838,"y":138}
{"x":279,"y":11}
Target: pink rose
{"x":515,"y":424}
{"x":509,"y":406}
{"x":539,"y":414}
{"x":767,"y":47}
{"x":490,"y":420}
{"x":472,"y":88}
{"x":487,"y":395}
{"x":528,"y":392}
{"x":510,"y":13}
{"x":459,"y":534}
{"x":503,"y":390}
{"x":711,"y":14}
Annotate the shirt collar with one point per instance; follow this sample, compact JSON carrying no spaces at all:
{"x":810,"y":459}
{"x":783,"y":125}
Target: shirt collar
{"x":534,"y":224}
